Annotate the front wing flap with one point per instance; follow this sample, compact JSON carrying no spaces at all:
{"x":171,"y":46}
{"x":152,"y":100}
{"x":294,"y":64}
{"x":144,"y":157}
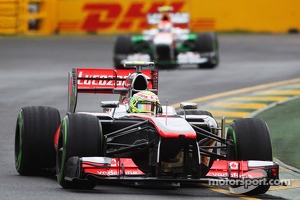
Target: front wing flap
{"x":252,"y":169}
{"x":105,"y":168}
{"x":182,"y":58}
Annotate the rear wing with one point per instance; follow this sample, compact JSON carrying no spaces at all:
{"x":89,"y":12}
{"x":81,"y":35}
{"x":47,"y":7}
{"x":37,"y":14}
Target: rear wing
{"x":179,"y":19}
{"x":109,"y":81}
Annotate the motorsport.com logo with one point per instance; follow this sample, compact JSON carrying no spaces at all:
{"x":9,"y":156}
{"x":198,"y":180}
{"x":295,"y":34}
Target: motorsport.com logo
{"x":244,"y":185}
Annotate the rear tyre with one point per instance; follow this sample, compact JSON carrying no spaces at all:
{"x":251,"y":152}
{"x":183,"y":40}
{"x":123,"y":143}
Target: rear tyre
{"x":123,"y":47}
{"x":80,"y":136}
{"x":251,"y":141}
{"x":207,"y":45}
{"x":34,"y":136}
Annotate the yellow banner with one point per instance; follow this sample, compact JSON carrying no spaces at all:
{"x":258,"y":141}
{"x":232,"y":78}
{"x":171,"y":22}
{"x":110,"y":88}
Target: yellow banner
{"x":129,"y":16}
{"x":28,"y":16}
{"x":8,"y":17}
{"x":279,"y":16}
{"x":115,"y":16}
{"x":119,"y":16}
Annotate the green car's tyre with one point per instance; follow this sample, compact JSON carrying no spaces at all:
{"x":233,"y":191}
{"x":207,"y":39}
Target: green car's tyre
{"x":34,"y":136}
{"x":80,"y":136}
{"x":205,"y":44}
{"x":251,"y":141}
{"x":122,"y":48}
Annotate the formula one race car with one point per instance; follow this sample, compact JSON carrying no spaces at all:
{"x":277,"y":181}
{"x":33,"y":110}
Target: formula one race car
{"x":169,"y":44}
{"x":138,"y":140}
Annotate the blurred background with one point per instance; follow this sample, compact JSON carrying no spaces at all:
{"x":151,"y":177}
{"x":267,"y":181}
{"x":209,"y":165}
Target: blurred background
{"x":46,"y":17}
{"x":33,"y":71}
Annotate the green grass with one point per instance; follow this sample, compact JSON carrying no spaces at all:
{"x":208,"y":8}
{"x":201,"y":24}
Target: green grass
{"x":284,"y":123}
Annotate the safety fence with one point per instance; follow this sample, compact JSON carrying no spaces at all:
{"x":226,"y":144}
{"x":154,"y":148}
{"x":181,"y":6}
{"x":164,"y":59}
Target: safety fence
{"x":28,"y":16}
{"x":119,"y":16}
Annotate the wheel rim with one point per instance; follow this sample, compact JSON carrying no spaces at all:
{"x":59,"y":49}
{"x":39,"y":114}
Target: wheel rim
{"x":232,"y":151}
{"x":18,"y":142}
{"x":61,"y":151}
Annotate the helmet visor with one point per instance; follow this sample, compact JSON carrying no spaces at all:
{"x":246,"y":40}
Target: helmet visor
{"x":146,"y":106}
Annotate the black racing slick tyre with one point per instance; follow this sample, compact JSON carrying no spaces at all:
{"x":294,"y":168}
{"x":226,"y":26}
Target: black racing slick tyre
{"x":80,"y":136}
{"x":122,"y":48}
{"x":34,"y":139}
{"x":250,"y":139}
{"x":207,"y":45}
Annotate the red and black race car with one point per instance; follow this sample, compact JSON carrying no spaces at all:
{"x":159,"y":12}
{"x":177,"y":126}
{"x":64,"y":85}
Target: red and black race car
{"x":184,"y":146}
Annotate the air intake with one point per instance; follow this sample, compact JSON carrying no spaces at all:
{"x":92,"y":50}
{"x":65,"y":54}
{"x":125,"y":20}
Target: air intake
{"x":140,"y":83}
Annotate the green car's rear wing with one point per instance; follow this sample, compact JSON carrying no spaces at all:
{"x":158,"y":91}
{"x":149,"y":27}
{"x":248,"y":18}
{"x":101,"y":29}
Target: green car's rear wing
{"x":178,"y":19}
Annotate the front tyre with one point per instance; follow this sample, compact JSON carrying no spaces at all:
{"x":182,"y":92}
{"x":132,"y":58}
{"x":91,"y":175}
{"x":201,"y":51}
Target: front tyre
{"x":34,"y":136}
{"x":122,"y":48}
{"x":250,"y":139}
{"x":207,"y":45}
{"x":81,"y":136}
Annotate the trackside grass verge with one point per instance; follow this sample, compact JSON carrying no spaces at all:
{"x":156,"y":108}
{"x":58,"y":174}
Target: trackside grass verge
{"x":284,"y":123}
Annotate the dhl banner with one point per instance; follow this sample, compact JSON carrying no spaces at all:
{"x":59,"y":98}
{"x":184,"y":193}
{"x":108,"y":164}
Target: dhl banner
{"x":114,"y":16}
{"x":129,"y":16}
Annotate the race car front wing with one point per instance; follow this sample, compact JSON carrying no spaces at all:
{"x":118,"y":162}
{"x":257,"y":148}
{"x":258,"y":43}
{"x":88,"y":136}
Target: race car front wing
{"x":124,"y":169}
{"x":182,"y":58}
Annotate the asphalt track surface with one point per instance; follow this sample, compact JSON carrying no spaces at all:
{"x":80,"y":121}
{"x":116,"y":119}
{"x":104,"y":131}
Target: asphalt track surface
{"x":33,"y":71}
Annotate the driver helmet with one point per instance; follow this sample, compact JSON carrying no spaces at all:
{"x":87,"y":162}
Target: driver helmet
{"x":144,"y":102}
{"x":165,"y":26}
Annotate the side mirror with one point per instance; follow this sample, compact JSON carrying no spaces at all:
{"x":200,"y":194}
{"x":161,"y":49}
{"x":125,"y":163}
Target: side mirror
{"x":109,"y":104}
{"x":188,"y":105}
{"x":106,"y":105}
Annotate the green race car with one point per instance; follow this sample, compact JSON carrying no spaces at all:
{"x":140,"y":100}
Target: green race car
{"x":169,"y":44}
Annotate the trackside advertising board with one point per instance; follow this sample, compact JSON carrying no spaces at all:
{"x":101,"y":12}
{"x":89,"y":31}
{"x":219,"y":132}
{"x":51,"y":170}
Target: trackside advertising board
{"x":119,"y":16}
{"x":104,"y":16}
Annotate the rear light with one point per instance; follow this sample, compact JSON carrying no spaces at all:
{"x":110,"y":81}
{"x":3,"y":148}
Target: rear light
{"x":274,"y":172}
